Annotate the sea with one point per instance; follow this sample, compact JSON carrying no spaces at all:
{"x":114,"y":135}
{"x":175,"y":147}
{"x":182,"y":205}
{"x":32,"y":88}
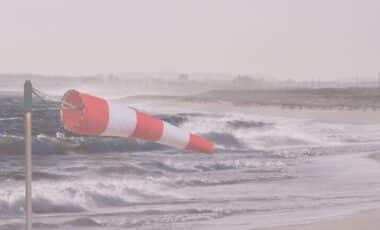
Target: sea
{"x":267,"y":170}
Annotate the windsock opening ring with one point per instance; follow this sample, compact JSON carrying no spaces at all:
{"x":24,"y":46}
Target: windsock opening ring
{"x":89,"y":115}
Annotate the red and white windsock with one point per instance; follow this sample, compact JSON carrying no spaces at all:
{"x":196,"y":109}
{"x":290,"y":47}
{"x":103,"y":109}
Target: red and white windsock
{"x":89,"y":115}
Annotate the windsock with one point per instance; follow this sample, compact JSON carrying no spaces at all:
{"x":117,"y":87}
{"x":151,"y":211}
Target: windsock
{"x":84,"y":114}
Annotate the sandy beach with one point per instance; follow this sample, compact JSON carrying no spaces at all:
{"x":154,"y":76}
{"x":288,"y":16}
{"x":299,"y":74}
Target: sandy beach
{"x":366,"y":220}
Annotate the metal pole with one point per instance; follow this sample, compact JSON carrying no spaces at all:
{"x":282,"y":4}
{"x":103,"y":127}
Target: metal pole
{"x":28,"y":91}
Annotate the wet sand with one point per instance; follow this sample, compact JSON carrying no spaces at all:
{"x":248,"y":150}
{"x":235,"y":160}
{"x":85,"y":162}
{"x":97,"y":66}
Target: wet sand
{"x":366,"y":220}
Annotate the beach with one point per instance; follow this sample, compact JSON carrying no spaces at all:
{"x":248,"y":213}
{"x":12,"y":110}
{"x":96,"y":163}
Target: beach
{"x":366,"y":220}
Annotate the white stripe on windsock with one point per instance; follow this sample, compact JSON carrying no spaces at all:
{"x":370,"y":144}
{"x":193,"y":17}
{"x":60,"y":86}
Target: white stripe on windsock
{"x":174,"y":136}
{"x":122,"y":120}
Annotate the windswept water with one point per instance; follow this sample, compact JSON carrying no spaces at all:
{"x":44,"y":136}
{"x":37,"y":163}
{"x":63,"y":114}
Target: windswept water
{"x":267,"y":171}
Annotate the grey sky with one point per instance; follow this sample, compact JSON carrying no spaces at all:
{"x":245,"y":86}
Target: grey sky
{"x":286,"y":38}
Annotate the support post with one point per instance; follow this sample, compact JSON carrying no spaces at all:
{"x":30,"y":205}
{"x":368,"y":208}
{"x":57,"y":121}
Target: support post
{"x":28,"y":91}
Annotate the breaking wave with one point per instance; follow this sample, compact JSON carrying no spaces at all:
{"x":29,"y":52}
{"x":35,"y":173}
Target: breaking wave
{"x":224,"y":139}
{"x":80,"y":195}
{"x":241,"y":124}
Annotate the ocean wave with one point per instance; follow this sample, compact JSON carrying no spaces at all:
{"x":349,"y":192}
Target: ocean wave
{"x":160,"y":218}
{"x":10,"y":119}
{"x":78,"y":222}
{"x":82,"y":222}
{"x":70,"y":196}
{"x":171,"y":166}
{"x":243,"y":124}
{"x":177,"y":119}
{"x":40,"y":205}
{"x":58,"y":144}
{"x":126,"y":169}
{"x":47,"y":205}
{"x":200,"y":182}
{"x":37,"y":175}
{"x":224,"y":139}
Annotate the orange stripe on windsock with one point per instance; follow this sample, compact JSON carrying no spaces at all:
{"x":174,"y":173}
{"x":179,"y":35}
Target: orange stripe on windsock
{"x":89,"y":115}
{"x":148,"y":128}
{"x":198,"y":144}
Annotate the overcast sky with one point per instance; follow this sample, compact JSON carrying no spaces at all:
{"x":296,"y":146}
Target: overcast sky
{"x":302,"y":39}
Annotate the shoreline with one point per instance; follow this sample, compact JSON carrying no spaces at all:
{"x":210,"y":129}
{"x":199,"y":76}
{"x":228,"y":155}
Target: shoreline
{"x":325,"y":98}
{"x":368,"y":220}
{"x":332,"y":116}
